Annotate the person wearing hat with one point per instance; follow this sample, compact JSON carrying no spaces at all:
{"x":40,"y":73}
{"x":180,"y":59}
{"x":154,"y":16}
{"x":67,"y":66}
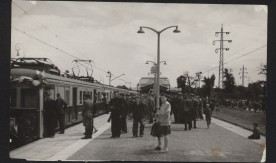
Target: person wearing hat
{"x":116,"y":106}
{"x":87,"y":114}
{"x":60,"y":106}
{"x":50,"y":121}
{"x":124,"y":115}
{"x":139,"y":110}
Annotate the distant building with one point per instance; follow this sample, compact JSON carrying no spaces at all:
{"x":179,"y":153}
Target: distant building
{"x":146,"y":84}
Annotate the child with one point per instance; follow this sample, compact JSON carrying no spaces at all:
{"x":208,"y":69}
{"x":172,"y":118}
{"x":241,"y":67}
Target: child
{"x":256,"y":132}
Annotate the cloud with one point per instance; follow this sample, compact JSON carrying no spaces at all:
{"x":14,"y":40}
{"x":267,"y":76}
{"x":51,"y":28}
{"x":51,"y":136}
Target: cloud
{"x":107,"y":34}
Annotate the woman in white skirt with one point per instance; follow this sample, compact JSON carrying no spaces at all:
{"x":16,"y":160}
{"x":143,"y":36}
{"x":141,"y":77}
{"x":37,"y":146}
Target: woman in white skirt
{"x":163,"y":118}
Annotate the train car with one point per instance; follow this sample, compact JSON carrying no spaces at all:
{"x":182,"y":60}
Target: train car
{"x":31,"y":78}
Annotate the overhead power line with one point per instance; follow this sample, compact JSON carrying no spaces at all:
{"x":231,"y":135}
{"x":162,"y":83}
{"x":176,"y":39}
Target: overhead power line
{"x":237,"y":58}
{"x":58,"y":37}
{"x":64,"y":52}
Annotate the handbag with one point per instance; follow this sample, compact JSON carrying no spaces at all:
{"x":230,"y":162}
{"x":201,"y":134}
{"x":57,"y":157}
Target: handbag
{"x":155,"y":130}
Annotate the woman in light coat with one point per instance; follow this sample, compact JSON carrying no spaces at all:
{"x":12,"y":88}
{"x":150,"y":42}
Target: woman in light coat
{"x":163,"y":118}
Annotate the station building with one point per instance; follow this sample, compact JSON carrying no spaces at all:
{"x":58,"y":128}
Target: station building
{"x":146,"y":84}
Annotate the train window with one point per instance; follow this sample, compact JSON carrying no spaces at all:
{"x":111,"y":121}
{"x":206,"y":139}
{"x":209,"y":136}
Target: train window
{"x":81,"y":96}
{"x":29,"y":98}
{"x":13,"y":97}
{"x":90,"y":95}
{"x":67,"y":95}
{"x":99,"y":97}
{"x":61,"y":91}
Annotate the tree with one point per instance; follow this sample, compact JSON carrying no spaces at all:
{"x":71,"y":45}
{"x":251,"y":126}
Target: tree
{"x":229,"y":81}
{"x":262,"y":69}
{"x":208,"y":85}
{"x":122,"y":87}
{"x":256,"y":89}
{"x":181,"y":83}
{"x":191,"y":81}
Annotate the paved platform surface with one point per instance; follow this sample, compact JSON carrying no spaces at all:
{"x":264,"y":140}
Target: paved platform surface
{"x":221,"y":142}
{"x":215,"y":144}
{"x":62,"y":145}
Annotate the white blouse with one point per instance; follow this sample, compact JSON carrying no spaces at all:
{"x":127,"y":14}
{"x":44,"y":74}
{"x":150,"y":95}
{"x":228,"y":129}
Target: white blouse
{"x":163,"y":114}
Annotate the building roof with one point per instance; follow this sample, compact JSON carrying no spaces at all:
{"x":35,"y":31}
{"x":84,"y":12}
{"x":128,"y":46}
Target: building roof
{"x":150,"y":80}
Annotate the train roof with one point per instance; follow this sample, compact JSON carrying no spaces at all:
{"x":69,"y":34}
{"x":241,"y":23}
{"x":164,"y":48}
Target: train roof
{"x":32,"y":73}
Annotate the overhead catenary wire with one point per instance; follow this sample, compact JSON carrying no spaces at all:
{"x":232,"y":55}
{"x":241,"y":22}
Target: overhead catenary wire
{"x":237,"y":58}
{"x":52,"y":46}
{"x":236,"y":51}
{"x":57,"y":36}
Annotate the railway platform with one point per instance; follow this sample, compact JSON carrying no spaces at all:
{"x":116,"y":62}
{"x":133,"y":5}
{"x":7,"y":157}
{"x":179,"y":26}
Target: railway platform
{"x":221,"y":142}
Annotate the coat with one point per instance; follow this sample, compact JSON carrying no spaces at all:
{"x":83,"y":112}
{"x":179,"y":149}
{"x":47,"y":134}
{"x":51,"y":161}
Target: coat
{"x":87,"y":112}
{"x":187,"y":107}
{"x":116,"y":106}
{"x":60,"y":106}
{"x":151,"y":105}
{"x":139,"y":110}
{"x":50,"y":116}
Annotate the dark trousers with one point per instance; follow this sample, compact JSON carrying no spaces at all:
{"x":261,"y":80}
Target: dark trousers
{"x":135,"y":127}
{"x":200,"y":115}
{"x":175,"y":116}
{"x":61,"y":121}
{"x":116,"y":125}
{"x":189,"y":123}
{"x":150,"y":117}
{"x":89,"y":128}
{"x":124,"y":123}
{"x":50,"y":125}
{"x":194,"y":120}
{"x":208,"y":119}
{"x":106,"y":108}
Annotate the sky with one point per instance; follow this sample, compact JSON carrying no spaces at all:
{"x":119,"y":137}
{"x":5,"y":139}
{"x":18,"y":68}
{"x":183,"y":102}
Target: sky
{"x":107,"y":34}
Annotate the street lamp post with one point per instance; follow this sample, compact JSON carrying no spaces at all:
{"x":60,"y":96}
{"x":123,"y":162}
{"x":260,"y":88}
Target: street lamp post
{"x":154,"y":72}
{"x":158,"y":55}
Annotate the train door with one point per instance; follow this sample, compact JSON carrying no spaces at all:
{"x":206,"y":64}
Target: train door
{"x":95,"y":96}
{"x":74,"y":104}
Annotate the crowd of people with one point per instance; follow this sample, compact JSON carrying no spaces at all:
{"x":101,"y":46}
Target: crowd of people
{"x":245,"y":104}
{"x":185,"y":109}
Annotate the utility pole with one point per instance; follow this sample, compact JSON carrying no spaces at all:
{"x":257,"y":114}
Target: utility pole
{"x":199,"y":77}
{"x":242,"y":74}
{"x":109,"y":76}
{"x":221,"y":57}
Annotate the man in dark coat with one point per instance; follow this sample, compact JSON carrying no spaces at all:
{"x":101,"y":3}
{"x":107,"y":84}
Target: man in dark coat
{"x":87,"y":114}
{"x":124,"y":115}
{"x":194,"y":111}
{"x":60,"y":106}
{"x":178,"y":111}
{"x":200,"y":109}
{"x":116,"y":106}
{"x":50,"y":120}
{"x":151,"y":108}
{"x":139,"y":110}
{"x":105,"y":104}
{"x":186,"y":114}
{"x":208,"y":114}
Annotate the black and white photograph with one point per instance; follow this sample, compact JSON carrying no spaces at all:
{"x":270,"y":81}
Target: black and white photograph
{"x":132,"y":81}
